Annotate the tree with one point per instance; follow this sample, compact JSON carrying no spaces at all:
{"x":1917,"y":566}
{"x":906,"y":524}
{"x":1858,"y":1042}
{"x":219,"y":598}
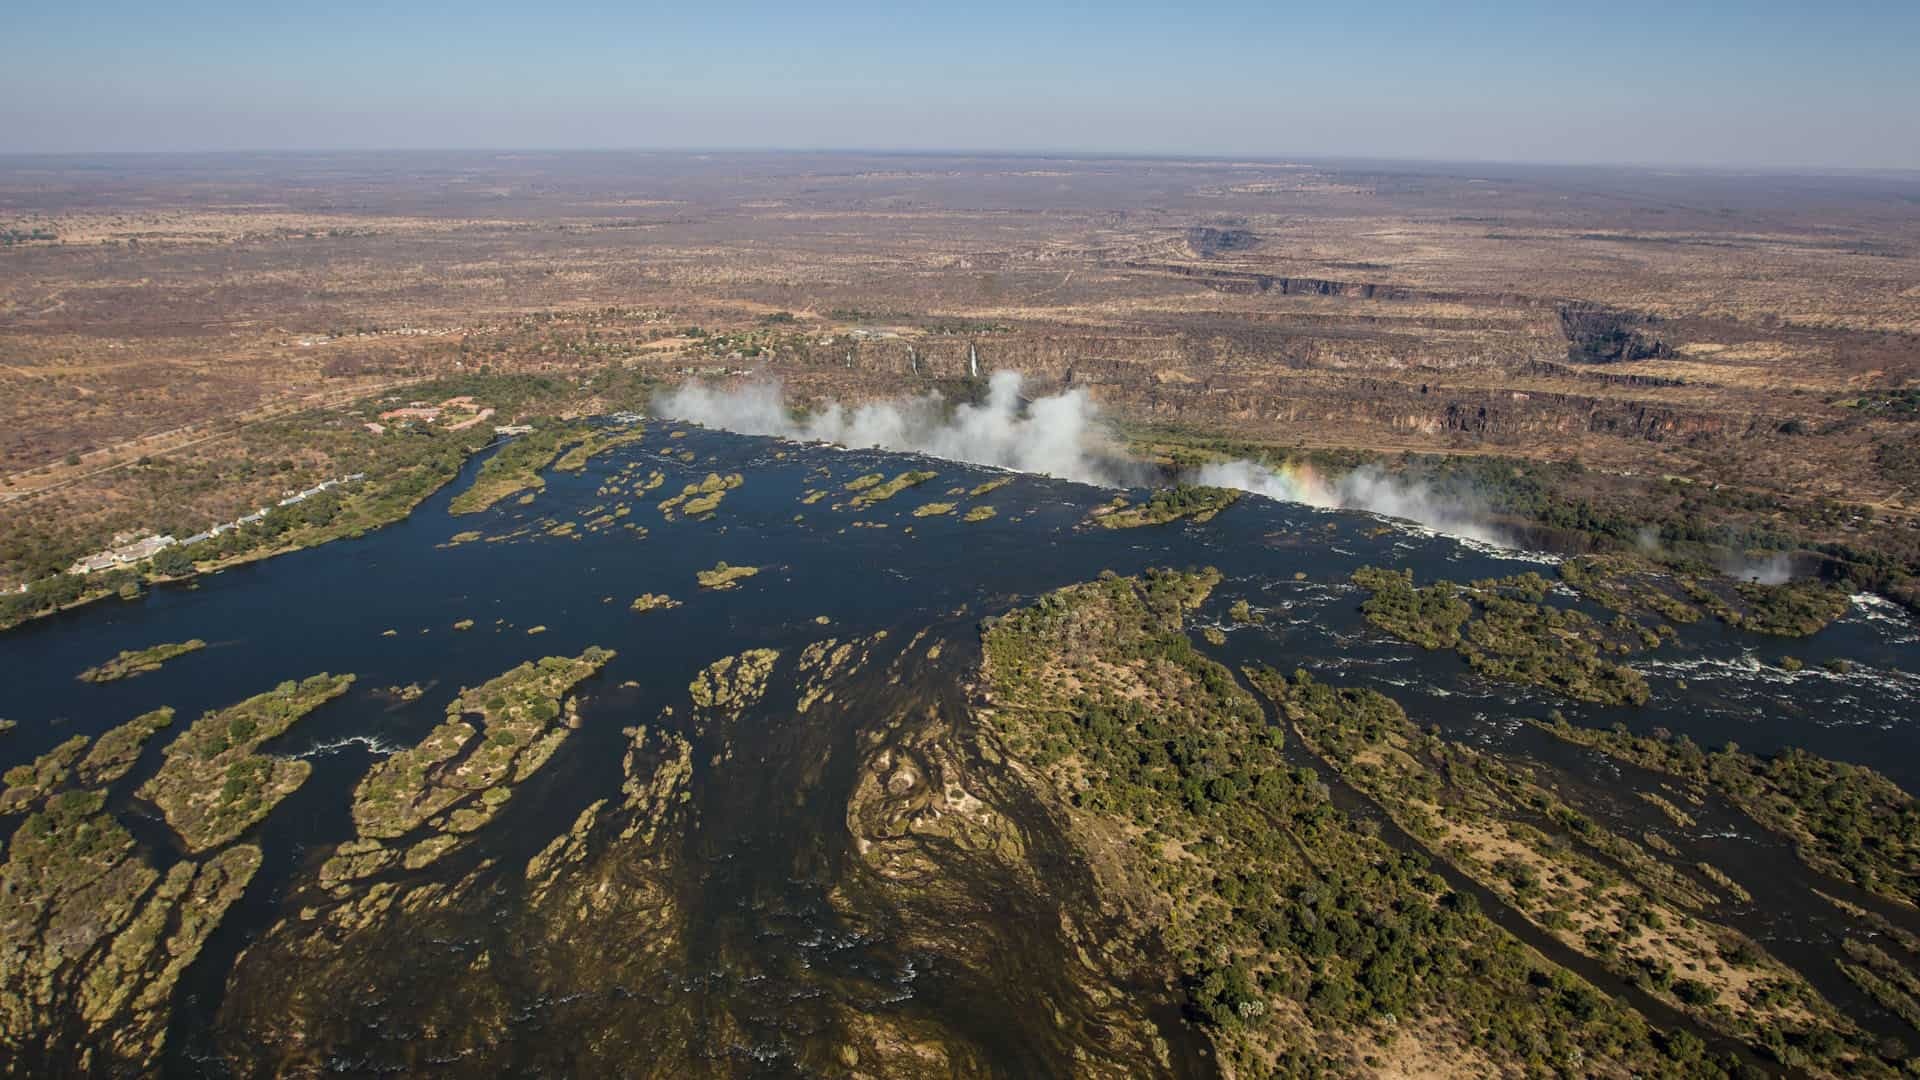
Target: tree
{"x":173,"y":562}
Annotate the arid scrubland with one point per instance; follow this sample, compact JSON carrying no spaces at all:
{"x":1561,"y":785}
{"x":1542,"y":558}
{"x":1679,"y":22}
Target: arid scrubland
{"x":180,"y":327}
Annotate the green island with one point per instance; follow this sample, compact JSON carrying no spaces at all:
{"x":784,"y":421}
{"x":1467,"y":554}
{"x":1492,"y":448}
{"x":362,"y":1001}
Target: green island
{"x":653,"y":602}
{"x":115,"y":753}
{"x":465,"y":770}
{"x":515,"y":467}
{"x":978,"y":514}
{"x":595,"y":906}
{"x":212,"y":784}
{"x":1628,"y":585}
{"x":1305,"y":944}
{"x":1789,"y":609}
{"x":1602,"y":895}
{"x":1504,"y":631}
{"x":1551,"y":647}
{"x":598,"y":441}
{"x":133,"y":662}
{"x":1193,"y":501}
{"x":723,"y":576}
{"x":872,"y":491}
{"x":934,"y":509}
{"x":698,"y":500}
{"x":824,"y":662}
{"x":1885,"y":979}
{"x":731,"y":684}
{"x":989,"y":486}
{"x":29,"y":782}
{"x":94,"y":937}
{"x":1634,"y":586}
{"x":1429,"y":617}
{"x":1845,"y":820}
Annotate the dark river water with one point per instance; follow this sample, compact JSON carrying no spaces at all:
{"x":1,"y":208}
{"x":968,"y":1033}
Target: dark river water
{"x":328,"y":609}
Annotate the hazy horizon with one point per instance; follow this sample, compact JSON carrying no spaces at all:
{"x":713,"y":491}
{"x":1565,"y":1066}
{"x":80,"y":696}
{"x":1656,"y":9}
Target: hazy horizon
{"x":1772,"y":86}
{"x":987,"y":152}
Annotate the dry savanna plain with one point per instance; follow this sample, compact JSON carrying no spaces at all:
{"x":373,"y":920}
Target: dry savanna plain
{"x":1593,"y":354}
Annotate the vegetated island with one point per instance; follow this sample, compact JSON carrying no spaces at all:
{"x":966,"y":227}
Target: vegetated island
{"x":703,"y":498}
{"x":723,"y":576}
{"x":94,"y":935}
{"x":1788,"y":609}
{"x":979,"y":513}
{"x":457,"y":778}
{"x":598,"y":441}
{"x":600,"y":897}
{"x":1845,"y":820}
{"x":112,"y":755}
{"x":870,"y":490}
{"x":1634,"y":586}
{"x":1602,"y":895}
{"x":731,"y":684}
{"x":653,"y":602}
{"x":1514,"y":636}
{"x":1302,"y":942}
{"x":133,"y":662}
{"x":1628,"y":585}
{"x":213,"y":785}
{"x":515,"y":467}
{"x":1195,"y":501}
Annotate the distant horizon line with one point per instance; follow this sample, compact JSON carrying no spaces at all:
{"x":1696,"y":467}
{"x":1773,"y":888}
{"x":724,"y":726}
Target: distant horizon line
{"x":1049,"y":154}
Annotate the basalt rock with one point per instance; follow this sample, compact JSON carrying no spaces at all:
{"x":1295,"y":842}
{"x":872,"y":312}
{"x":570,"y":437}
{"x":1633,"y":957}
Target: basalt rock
{"x":1604,"y":335}
{"x":1207,"y":242}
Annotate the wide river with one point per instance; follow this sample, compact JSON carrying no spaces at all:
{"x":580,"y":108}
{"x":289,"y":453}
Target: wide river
{"x":383,"y":607}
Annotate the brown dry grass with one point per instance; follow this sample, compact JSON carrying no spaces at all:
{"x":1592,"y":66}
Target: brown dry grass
{"x":173,"y":299}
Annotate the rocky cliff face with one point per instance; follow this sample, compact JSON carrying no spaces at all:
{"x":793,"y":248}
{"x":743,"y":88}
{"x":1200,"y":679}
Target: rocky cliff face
{"x":1203,"y":384}
{"x":1247,"y":281}
{"x":1600,"y":378}
{"x":1604,"y":335}
{"x":1207,"y":241}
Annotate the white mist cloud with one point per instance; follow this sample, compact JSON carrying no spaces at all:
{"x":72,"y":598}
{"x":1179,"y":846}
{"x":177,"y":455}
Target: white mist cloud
{"x":1366,"y":488}
{"x":1055,"y":435}
{"x":1775,"y":569}
{"x":1058,"y":435}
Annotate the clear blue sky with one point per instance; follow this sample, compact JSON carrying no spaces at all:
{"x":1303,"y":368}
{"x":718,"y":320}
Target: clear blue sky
{"x":1757,"y":83}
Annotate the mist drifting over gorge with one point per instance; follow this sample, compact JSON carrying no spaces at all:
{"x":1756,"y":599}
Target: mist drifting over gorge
{"x":1367,"y":488}
{"x":1058,"y":435}
{"x":1053,"y":436}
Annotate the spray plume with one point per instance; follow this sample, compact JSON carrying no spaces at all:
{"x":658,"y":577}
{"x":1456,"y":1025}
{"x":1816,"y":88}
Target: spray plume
{"x":1774,"y":569}
{"x":1366,"y":488}
{"x":1058,"y":435}
{"x":1053,"y":435}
